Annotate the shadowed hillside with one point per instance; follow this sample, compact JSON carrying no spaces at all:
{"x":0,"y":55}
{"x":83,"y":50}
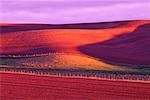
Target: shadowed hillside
{"x":128,"y":49}
{"x":114,"y":46}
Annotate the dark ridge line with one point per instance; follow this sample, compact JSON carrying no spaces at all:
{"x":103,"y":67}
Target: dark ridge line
{"x":74,"y":23}
{"x":81,"y":73}
{"x":70,"y":23}
{"x":92,"y":25}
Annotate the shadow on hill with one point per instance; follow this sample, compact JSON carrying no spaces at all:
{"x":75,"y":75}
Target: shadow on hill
{"x":27,"y":27}
{"x":131,"y":49}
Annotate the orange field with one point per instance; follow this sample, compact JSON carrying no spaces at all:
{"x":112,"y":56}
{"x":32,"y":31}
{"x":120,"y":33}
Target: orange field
{"x":111,"y":47}
{"x":114,"y":48}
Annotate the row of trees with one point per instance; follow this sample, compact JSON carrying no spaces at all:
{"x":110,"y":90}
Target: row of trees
{"x":80,"y":74}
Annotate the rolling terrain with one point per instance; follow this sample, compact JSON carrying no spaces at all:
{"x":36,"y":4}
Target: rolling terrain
{"x":116,"y":46}
{"x":89,"y":61}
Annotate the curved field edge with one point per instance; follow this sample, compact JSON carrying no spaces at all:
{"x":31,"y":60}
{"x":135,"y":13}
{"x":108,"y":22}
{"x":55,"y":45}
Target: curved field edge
{"x":62,"y":61}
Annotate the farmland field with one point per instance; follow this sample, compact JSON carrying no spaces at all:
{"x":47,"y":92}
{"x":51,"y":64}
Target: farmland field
{"x":89,"y":61}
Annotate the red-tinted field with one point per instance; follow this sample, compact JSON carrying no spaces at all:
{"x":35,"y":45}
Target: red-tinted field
{"x":59,"y":40}
{"x":105,"y":46}
{"x":112,"y":44}
{"x":117,"y":46}
{"x":34,"y":87}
